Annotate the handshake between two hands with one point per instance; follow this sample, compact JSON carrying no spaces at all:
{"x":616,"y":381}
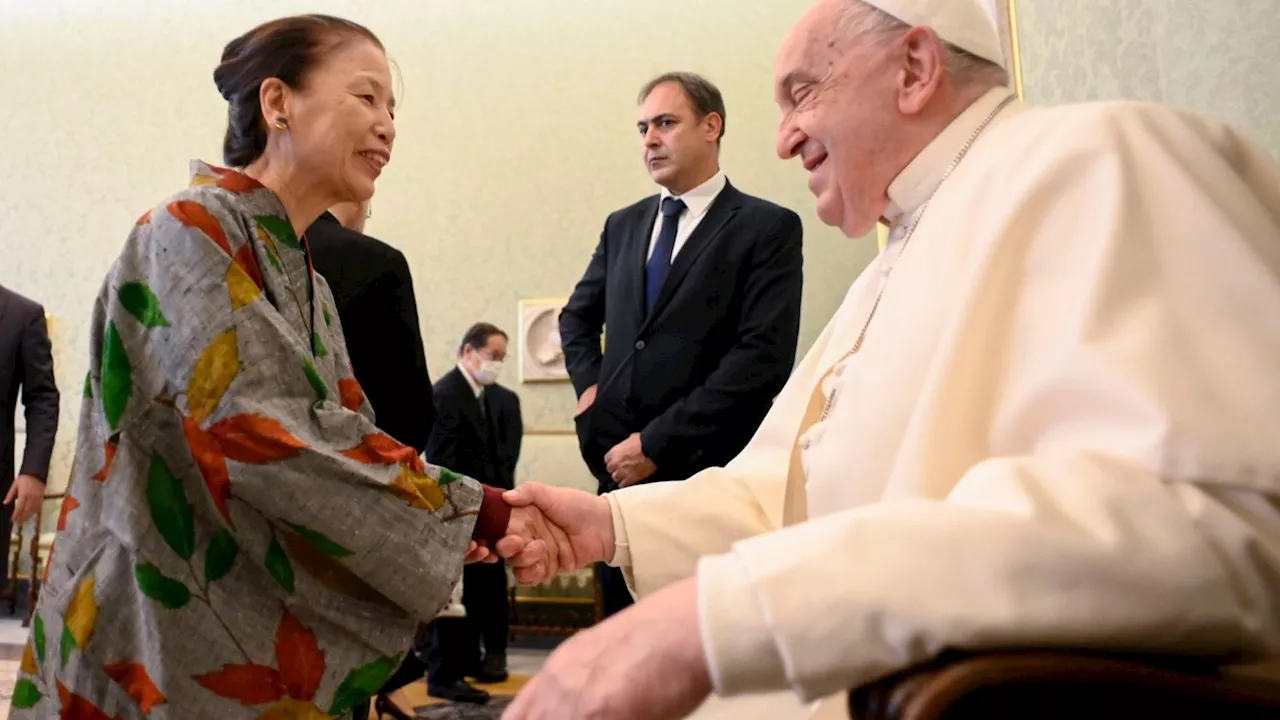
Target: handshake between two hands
{"x":646,"y":663}
{"x":552,"y":530}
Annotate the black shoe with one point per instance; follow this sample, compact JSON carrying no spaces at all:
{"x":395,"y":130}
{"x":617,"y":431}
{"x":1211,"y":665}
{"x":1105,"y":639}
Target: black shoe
{"x":384,"y":707}
{"x":458,"y":691}
{"x":493,"y":670}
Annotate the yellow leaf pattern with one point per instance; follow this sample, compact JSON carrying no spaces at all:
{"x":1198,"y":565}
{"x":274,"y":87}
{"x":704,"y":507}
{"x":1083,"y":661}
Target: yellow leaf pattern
{"x":29,"y":666}
{"x":82,"y":613}
{"x":290,"y":709}
{"x":217,"y":367}
{"x":418,"y":489}
{"x":243,"y":289}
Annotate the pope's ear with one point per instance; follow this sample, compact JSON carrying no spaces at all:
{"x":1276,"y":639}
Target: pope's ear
{"x":923,"y":69}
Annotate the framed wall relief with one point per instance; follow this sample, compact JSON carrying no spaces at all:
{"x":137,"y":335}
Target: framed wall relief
{"x":541,"y":356}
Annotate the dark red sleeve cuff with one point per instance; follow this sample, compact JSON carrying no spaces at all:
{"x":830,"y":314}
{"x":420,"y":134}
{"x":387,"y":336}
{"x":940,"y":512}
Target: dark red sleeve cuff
{"x":495,"y":513}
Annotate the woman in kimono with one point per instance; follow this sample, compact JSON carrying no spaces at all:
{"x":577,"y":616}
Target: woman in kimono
{"x":206,"y":565}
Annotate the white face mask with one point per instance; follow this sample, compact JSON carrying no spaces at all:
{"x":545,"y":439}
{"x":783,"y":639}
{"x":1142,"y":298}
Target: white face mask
{"x":488,"y":372}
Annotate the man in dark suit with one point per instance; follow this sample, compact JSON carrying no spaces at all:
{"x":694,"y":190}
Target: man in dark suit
{"x":699,"y":287}
{"x":26,"y":364}
{"x":373,"y":290}
{"x":478,"y":433}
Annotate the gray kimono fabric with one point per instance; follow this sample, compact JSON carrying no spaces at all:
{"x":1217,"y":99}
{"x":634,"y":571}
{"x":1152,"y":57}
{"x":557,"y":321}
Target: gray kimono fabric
{"x":207,"y":562}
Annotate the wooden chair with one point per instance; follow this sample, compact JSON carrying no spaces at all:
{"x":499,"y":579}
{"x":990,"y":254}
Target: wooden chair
{"x":16,"y":541}
{"x":1062,"y":685}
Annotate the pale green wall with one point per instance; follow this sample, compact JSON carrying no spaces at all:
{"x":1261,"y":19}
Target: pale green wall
{"x":516,"y":135}
{"x":1218,"y":57}
{"x":516,"y":139}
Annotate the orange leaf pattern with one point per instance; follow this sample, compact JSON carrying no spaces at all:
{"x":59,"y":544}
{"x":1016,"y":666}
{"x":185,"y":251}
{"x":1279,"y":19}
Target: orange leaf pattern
{"x":110,"y":449}
{"x":300,"y":658}
{"x":137,"y":683}
{"x":255,"y":439}
{"x":75,"y":707}
{"x":351,"y":393}
{"x":69,"y":503}
{"x":245,"y":683}
{"x":212,"y":463}
{"x":244,"y":258}
{"x":193,"y":214}
{"x":382,"y":449}
{"x":237,"y":183}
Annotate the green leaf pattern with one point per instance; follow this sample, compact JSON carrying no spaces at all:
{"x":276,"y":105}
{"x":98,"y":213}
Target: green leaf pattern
{"x":280,"y":229}
{"x":153,"y":583}
{"x":317,"y":382}
{"x":170,"y":510}
{"x":363,"y":682}
{"x":117,"y":377}
{"x":26,"y":695}
{"x":278,"y":565}
{"x":323,"y":543}
{"x":220,"y":556}
{"x":143,"y":304}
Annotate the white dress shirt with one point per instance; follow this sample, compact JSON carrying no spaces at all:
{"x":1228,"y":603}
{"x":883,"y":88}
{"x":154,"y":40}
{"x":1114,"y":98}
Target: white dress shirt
{"x":697,"y":201}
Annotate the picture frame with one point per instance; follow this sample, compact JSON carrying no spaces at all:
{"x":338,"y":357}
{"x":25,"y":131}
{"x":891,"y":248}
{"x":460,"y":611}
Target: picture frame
{"x":541,"y":358}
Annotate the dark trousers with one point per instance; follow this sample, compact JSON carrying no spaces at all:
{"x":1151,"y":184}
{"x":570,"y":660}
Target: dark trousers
{"x":455,"y":642}
{"x":613,"y":590}
{"x":614,"y":595}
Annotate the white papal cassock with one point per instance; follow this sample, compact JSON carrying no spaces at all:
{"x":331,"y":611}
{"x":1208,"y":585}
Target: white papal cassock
{"x":1063,"y":427}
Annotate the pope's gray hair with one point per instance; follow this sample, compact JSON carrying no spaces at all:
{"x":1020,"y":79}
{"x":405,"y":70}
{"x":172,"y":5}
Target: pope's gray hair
{"x":858,"y":20}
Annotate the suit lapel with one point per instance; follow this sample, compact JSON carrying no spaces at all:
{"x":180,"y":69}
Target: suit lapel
{"x":640,"y":238}
{"x":4,"y":304}
{"x":718,"y":215}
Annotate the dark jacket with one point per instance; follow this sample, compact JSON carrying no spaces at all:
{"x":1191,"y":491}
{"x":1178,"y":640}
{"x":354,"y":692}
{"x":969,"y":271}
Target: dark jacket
{"x":464,"y":442}
{"x":373,"y":290}
{"x":696,"y":376}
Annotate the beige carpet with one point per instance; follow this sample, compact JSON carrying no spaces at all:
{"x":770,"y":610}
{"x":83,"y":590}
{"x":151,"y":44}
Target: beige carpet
{"x":8,"y":678}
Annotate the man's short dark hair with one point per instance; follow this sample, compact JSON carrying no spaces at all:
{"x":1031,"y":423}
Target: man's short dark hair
{"x":702,"y":93}
{"x":478,"y":336}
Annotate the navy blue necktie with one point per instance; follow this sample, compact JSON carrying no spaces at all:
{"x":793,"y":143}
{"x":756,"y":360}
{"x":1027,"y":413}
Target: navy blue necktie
{"x":660,"y":262}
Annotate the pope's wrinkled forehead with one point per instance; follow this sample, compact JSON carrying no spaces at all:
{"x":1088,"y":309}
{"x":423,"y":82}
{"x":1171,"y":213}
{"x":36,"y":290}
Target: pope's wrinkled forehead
{"x":810,"y":50}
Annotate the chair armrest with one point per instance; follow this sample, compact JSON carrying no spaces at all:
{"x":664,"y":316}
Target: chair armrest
{"x":1050,"y":685}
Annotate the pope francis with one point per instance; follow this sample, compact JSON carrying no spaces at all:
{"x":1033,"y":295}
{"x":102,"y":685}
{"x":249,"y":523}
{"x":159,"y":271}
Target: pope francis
{"x":1048,"y":414}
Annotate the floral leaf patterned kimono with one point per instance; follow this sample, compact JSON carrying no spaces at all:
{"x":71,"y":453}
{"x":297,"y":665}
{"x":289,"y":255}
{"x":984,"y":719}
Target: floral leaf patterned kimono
{"x":206,"y":564}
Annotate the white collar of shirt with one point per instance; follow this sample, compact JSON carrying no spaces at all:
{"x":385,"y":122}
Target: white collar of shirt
{"x":697,"y":202}
{"x":476,"y":387}
{"x":921,"y":177}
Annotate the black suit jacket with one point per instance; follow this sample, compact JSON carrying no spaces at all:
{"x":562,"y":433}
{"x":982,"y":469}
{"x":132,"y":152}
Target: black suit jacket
{"x":373,"y":290}
{"x":696,"y":376}
{"x":463,"y":442}
{"x":26,"y":363}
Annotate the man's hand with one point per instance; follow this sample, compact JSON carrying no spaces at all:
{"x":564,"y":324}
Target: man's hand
{"x":586,"y":401}
{"x":627,"y":463}
{"x":29,"y":492}
{"x":555,"y":530}
{"x":645,"y":663}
